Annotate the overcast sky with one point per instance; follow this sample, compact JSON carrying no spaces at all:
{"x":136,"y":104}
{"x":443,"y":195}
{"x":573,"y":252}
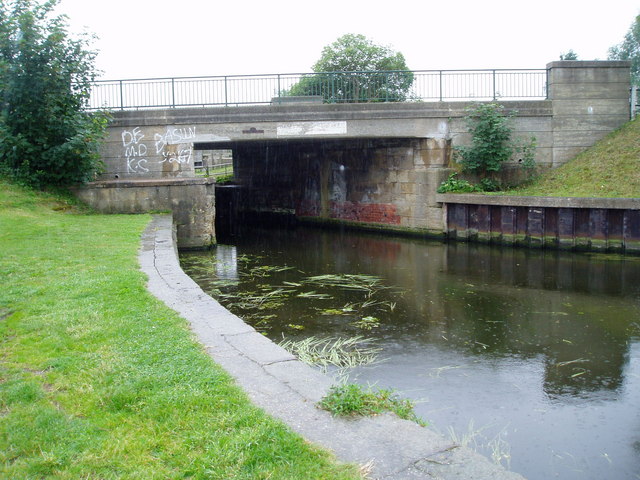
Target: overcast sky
{"x":159,"y":38}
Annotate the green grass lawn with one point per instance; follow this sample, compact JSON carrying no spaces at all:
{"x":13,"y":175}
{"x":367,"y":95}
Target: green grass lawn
{"x":99,"y":380}
{"x":611,"y":168}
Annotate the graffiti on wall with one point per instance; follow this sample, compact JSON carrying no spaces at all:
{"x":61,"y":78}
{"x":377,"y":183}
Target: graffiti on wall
{"x":170,"y":147}
{"x":135,"y":151}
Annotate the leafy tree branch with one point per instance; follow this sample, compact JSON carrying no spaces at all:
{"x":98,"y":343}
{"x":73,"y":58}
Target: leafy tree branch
{"x":46,"y":135}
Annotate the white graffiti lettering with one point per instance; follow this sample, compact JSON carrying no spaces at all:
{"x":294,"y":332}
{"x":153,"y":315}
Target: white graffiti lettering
{"x":171,"y":147}
{"x":183,"y":155}
{"x":137,"y":165}
{"x":134,"y":150}
{"x":133,"y":136}
{"x":173,"y":136}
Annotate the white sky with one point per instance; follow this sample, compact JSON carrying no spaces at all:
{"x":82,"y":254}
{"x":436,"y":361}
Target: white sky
{"x":160,"y":38}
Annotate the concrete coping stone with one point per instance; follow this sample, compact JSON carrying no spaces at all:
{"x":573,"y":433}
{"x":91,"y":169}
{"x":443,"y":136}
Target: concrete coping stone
{"x":151,"y":182}
{"x":552,"y":202}
{"x":390,"y":448}
{"x":589,"y":64}
{"x":297,"y":99}
{"x":281,"y":112}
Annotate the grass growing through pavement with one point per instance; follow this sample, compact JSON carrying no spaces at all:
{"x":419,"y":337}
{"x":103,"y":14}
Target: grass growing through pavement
{"x":611,"y":168}
{"x":100,"y":380}
{"x":354,"y":399}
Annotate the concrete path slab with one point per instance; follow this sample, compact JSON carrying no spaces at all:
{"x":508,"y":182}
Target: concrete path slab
{"x":289,"y":390}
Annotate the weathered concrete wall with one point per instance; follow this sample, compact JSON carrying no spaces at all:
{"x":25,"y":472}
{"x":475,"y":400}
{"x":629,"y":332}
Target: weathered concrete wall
{"x":192,"y":202}
{"x":598,"y":224}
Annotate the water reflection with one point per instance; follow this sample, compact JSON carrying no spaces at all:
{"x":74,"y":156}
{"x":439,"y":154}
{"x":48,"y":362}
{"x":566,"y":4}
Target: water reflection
{"x":226,"y":262}
{"x":541,"y":346}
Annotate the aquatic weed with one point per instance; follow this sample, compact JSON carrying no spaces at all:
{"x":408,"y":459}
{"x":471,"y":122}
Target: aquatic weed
{"x":338,"y":352}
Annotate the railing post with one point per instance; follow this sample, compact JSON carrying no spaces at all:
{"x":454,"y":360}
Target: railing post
{"x":121,"y":97}
{"x":279,"y":91}
{"x":493,"y":81}
{"x":386,"y":86}
{"x":226,"y":98}
{"x":440,"y":86}
{"x":173,"y":93}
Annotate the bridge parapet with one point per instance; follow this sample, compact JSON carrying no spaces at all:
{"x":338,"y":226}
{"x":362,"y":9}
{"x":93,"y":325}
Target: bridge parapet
{"x":329,"y":87}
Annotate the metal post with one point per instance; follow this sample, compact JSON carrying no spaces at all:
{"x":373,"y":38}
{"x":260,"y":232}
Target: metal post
{"x":386,"y":87}
{"x":332,"y":77}
{"x":173,"y":93}
{"x":226,"y":98}
{"x":121,"y":97}
{"x":279,"y":91}
{"x":440,"y":77}
{"x":493,"y":80}
{"x":546,"y":84}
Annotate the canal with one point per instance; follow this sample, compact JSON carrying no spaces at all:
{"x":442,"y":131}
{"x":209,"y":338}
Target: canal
{"x":531,"y":357}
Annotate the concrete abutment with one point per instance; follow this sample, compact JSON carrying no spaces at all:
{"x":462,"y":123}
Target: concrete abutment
{"x":190,"y":200}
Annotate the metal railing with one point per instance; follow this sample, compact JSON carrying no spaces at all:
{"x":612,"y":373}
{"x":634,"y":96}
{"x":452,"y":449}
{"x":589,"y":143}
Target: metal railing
{"x":218,"y":170}
{"x":331,"y":87}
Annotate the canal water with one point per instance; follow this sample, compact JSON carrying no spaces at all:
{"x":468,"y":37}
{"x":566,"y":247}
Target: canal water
{"x":531,"y":357}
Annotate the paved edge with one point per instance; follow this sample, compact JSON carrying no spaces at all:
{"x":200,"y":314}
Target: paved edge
{"x":289,"y":390}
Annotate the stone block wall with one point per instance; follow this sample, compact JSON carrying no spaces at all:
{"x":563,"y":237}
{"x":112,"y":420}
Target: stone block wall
{"x":589,"y":100}
{"x":192,"y":202}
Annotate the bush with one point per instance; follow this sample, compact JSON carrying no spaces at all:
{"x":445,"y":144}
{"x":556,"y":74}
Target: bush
{"x":492,"y":143}
{"x":454,"y":184}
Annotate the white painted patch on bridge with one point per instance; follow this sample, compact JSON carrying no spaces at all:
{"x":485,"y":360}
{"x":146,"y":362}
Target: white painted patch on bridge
{"x":301,"y":129}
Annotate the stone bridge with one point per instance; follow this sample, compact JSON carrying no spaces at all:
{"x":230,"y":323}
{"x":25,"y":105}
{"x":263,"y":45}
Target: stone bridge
{"x":374,"y":165}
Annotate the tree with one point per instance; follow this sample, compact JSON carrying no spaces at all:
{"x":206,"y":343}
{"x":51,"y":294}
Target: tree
{"x":570,"y":55}
{"x":354,"y":69}
{"x":46,"y":135}
{"x":629,"y":49}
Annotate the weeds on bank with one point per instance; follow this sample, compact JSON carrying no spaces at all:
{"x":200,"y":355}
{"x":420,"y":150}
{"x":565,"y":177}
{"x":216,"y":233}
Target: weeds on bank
{"x":355,"y":400}
{"x":497,"y":447}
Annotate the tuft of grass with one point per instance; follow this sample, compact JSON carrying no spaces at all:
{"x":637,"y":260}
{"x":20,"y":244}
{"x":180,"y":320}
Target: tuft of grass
{"x":99,"y":379}
{"x":611,"y":168}
{"x":355,"y":400}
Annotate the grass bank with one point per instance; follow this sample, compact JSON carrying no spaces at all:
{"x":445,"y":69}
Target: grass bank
{"x":611,"y":168}
{"x":99,"y":380}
